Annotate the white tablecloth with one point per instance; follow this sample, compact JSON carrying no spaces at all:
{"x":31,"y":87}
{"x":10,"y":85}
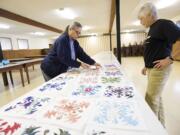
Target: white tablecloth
{"x":82,"y":102}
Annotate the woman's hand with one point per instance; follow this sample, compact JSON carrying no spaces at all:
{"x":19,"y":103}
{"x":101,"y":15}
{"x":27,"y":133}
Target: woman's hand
{"x":84,"y":65}
{"x":160,"y":64}
{"x":97,"y":65}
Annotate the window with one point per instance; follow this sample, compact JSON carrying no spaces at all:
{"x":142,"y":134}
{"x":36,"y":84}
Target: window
{"x":23,"y":44}
{"x":6,"y":43}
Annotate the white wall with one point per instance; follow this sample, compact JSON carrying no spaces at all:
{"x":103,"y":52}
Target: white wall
{"x":94,"y":44}
{"x":34,"y":43}
{"x":38,"y":43}
{"x":132,"y":38}
{"x":129,"y":38}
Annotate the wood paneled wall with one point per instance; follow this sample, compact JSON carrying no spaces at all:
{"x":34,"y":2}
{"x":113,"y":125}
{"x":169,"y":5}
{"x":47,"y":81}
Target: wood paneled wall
{"x":12,"y":54}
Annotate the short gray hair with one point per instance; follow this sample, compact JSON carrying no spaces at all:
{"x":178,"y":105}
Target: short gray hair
{"x":147,"y":9}
{"x":75,"y":24}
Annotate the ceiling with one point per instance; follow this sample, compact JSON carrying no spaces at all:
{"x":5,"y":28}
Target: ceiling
{"x":130,"y":8}
{"x":94,"y":13}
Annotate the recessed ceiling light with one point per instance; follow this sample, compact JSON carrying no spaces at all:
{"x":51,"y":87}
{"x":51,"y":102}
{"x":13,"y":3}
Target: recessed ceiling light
{"x":4,"y":26}
{"x":67,"y":13}
{"x":38,"y":33}
{"x":160,"y":4}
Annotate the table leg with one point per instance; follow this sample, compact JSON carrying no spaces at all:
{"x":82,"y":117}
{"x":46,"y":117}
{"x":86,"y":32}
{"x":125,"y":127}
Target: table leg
{"x":27,"y":74}
{"x":22,"y":77}
{"x":10,"y":74}
{"x":5,"y":79}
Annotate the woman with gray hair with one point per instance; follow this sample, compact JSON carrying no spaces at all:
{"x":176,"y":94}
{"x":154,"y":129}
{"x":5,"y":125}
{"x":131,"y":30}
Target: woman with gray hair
{"x":64,"y":54}
{"x":157,"y":55}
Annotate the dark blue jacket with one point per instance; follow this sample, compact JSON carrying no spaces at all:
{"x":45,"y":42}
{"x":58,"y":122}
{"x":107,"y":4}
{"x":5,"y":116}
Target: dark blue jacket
{"x":59,"y":58}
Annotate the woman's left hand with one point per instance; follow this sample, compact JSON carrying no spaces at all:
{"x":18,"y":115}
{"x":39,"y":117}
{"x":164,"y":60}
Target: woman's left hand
{"x":160,"y":64}
{"x":97,"y":65}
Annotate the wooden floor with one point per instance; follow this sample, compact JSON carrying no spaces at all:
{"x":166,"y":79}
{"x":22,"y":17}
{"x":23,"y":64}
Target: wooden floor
{"x":132,"y":67}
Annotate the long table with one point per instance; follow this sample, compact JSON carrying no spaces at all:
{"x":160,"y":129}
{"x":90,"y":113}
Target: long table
{"x":83,"y":102}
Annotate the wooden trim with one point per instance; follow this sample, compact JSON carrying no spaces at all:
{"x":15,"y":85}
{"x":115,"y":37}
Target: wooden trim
{"x":108,"y":34}
{"x":22,"y":19}
{"x":112,"y":15}
{"x":134,"y":32}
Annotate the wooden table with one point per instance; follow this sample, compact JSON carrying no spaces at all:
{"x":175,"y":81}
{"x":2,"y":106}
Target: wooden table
{"x":18,"y":66}
{"x":18,"y":59}
{"x":9,"y":68}
{"x":28,"y":63}
{"x":36,"y":56}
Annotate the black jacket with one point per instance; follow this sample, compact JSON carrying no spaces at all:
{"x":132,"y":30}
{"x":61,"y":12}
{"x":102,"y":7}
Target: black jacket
{"x":59,"y":58}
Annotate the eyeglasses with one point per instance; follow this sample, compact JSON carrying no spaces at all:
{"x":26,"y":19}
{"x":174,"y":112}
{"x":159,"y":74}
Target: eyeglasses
{"x":77,"y":32}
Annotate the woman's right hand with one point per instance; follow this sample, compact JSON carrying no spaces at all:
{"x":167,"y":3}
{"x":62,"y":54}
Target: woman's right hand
{"x":84,"y":65}
{"x":144,"y":70}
